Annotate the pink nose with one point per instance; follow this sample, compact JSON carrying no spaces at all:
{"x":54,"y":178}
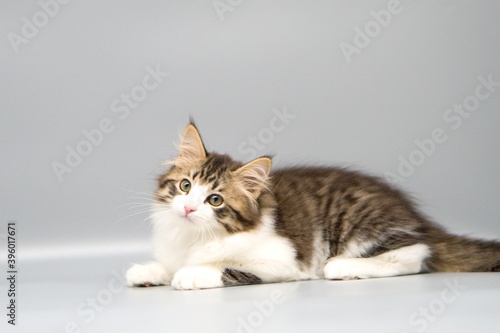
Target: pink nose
{"x":188,"y":210}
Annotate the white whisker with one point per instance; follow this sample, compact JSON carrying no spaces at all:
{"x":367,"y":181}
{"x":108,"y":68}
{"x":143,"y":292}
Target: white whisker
{"x":133,"y":214}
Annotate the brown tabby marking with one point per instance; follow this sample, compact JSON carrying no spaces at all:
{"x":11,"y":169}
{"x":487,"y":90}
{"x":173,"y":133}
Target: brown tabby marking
{"x":233,"y":277}
{"x":321,"y":206}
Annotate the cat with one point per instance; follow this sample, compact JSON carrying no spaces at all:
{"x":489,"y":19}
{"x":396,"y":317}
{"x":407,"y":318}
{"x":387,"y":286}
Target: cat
{"x":218,"y":222}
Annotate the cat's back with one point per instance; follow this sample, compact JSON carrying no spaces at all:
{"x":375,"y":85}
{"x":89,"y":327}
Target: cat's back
{"x":338,"y":205}
{"x":316,"y":190}
{"x":324,"y":180}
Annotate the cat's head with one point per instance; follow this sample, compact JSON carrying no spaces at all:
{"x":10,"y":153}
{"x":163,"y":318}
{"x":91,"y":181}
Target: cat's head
{"x":213,"y":190}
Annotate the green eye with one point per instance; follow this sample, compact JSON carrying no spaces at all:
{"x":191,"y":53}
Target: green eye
{"x":185,"y":185}
{"x":215,"y":200}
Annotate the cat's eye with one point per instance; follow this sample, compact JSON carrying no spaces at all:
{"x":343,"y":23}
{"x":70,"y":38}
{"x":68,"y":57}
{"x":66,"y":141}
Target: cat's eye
{"x":185,"y":185}
{"x":215,"y":200}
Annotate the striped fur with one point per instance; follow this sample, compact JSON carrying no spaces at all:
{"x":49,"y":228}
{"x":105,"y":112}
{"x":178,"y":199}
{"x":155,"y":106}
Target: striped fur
{"x":291,"y":224}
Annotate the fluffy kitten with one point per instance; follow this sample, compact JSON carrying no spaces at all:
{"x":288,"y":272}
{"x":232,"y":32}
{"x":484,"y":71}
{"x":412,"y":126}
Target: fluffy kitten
{"x":219,"y":222}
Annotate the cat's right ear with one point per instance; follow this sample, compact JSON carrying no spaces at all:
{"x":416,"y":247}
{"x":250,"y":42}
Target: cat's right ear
{"x":191,"y":147}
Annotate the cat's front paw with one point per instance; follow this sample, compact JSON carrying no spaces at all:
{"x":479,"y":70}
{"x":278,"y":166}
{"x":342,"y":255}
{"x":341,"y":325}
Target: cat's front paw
{"x":197,"y":277}
{"x":343,"y":269}
{"x":147,"y":275}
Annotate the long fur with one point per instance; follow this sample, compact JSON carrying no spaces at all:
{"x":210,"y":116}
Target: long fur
{"x":219,"y":222}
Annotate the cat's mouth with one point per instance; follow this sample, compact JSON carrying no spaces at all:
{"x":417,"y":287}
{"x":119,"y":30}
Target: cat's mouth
{"x":189,"y":217}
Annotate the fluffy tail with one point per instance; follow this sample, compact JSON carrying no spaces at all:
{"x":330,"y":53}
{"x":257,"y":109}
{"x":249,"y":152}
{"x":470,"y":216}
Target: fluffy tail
{"x":452,"y":253}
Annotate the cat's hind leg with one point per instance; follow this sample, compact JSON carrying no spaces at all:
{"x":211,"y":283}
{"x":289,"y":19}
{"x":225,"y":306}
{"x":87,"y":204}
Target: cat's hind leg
{"x":402,"y":261}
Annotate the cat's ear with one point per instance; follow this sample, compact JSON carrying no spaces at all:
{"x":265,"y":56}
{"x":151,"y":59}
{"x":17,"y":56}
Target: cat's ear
{"x":191,"y":147}
{"x":253,"y":176}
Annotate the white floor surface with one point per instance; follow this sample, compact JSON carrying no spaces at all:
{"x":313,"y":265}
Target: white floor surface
{"x":88,"y":295}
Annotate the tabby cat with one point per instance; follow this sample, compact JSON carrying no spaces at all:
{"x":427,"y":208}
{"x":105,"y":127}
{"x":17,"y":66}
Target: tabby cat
{"x":218,"y":222}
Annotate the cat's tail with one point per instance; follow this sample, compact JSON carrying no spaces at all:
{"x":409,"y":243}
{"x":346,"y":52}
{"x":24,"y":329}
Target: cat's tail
{"x":452,"y":253}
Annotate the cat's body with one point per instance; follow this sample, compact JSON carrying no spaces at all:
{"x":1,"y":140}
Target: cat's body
{"x":218,"y":222}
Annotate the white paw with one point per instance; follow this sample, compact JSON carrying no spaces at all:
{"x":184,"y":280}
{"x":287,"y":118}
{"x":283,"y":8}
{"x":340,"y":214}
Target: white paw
{"x":150,"y":274}
{"x":197,"y":277}
{"x":344,"y":269}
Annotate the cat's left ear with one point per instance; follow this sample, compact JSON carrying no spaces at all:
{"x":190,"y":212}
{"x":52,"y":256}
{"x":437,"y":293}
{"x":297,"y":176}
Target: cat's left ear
{"x":191,"y":147}
{"x":254,"y":175}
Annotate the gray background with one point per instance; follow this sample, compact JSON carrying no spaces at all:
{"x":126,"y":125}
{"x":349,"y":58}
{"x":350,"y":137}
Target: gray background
{"x":230,"y":75}
{"x":77,"y":235}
